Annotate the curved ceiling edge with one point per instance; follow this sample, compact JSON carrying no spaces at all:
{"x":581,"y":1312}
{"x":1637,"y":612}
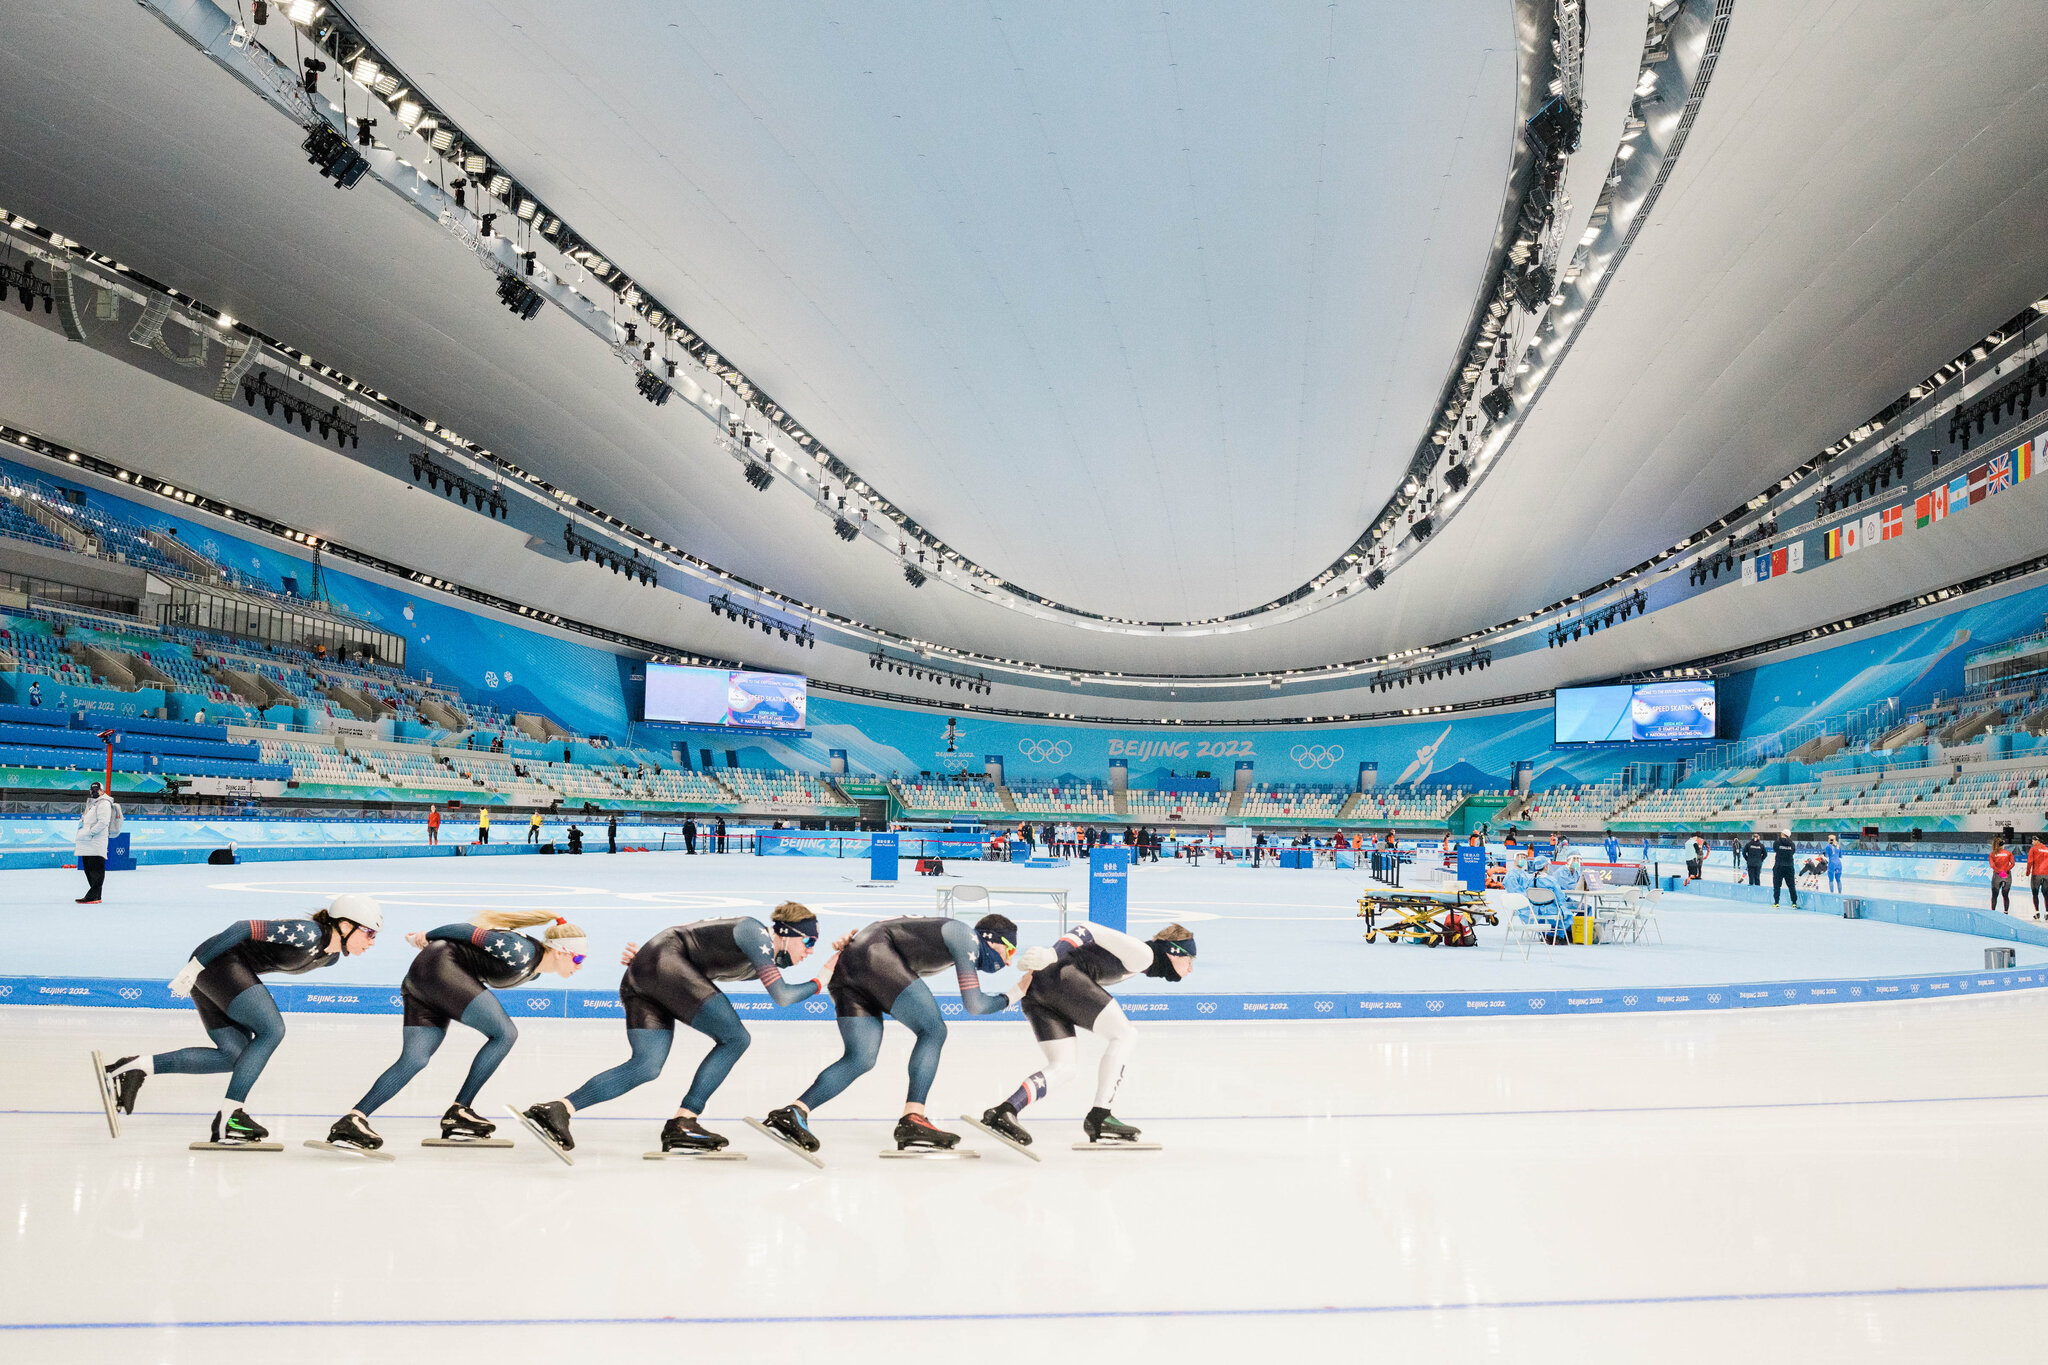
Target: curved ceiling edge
{"x":559,"y":261}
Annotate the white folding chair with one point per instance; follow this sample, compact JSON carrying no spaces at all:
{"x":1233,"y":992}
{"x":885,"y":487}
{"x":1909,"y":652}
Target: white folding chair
{"x":963,"y":897}
{"x":1519,"y":924}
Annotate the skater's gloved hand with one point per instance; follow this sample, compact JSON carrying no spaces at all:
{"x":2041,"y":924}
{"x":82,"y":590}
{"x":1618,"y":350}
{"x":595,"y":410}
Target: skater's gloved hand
{"x":416,"y":939}
{"x":1017,"y":991}
{"x":631,"y":951}
{"x":1034,"y":959}
{"x":839,"y":944}
{"x":181,"y":984}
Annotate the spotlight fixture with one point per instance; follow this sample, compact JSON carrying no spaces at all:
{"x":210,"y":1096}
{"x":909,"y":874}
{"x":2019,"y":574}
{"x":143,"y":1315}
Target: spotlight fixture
{"x":913,"y":575}
{"x":330,"y":153}
{"x":759,"y":476}
{"x":845,"y":530}
{"x":519,"y":296}
{"x":652,"y":388}
{"x":363,"y":127}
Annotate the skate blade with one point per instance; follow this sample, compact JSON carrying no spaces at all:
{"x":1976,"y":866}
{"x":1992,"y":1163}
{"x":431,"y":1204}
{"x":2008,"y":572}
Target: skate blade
{"x":1112,"y":1145}
{"x":542,"y":1134}
{"x":785,"y":1144}
{"x":719,"y":1155}
{"x":100,"y":1079}
{"x":467,"y":1142}
{"x":237,"y":1146}
{"x":1018,"y":1147}
{"x":347,"y":1150}
{"x":928,"y":1154}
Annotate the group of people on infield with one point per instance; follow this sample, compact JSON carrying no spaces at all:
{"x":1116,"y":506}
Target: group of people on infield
{"x":874,"y":972}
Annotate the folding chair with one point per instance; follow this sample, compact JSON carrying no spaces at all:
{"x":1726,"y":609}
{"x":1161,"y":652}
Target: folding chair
{"x":1520,"y":924}
{"x":965,"y":897}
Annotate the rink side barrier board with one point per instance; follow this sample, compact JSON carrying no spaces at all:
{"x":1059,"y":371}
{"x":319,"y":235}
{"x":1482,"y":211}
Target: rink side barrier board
{"x":298,"y":998}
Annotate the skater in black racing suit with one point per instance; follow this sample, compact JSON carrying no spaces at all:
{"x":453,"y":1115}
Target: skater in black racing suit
{"x":880,"y":972}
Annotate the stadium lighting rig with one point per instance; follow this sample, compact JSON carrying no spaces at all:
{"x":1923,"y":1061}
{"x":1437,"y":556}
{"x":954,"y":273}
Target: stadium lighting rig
{"x":797,"y":633}
{"x":489,"y":497}
{"x":276,"y":398}
{"x":919,"y":670}
{"x":629,"y":564}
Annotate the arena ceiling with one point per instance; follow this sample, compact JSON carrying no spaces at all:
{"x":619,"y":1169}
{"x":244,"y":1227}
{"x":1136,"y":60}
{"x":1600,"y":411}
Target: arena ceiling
{"x":1145,"y":312}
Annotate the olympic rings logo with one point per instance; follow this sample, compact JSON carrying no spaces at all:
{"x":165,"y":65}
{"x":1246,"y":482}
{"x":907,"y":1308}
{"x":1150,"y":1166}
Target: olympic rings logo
{"x":1044,"y":750}
{"x":1316,"y":755}
{"x":536,"y":1002}
{"x":130,"y":993}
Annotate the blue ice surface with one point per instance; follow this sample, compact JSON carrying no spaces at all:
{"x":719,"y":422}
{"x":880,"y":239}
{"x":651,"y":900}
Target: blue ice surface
{"x":1258,"y":930}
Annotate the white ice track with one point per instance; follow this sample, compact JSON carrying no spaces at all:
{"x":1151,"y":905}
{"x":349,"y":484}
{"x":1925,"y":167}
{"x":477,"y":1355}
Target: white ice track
{"x":1808,"y":1184}
{"x":1831,"y":1183}
{"x":1263,"y":929}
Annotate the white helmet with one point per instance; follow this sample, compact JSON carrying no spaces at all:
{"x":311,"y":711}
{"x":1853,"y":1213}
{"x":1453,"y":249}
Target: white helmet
{"x":357,"y":908}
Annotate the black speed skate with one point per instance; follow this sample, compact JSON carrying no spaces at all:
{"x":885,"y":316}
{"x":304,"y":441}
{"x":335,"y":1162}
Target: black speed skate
{"x":353,"y":1130}
{"x":1003,"y":1119}
{"x":551,"y":1121}
{"x":1103,"y":1126}
{"x":236,"y":1128}
{"x":789,"y":1125}
{"x":124,"y":1082}
{"x":463,"y":1124}
{"x":688,"y":1135}
{"x":915,"y":1130}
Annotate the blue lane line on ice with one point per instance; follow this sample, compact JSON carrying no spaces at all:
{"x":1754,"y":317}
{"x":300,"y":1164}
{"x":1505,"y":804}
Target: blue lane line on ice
{"x":301,"y":997}
{"x":1236,"y":1118}
{"x":1073,"y":1315}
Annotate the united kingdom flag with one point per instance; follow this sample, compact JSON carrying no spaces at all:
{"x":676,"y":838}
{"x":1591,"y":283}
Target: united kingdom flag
{"x":2000,"y":477}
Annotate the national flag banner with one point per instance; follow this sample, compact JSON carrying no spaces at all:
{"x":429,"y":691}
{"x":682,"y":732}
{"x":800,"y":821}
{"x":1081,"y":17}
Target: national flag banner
{"x":1781,"y":563}
{"x":1795,"y":557}
{"x":2023,"y":462}
{"x":1980,"y":484}
{"x":2000,"y":477}
{"x":1831,"y":545}
{"x":1852,"y":537}
{"x":1894,"y":519}
{"x":1923,"y":509}
{"x":1959,"y":493}
{"x":1873,"y":529}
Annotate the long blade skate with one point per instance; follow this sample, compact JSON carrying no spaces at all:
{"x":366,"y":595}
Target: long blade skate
{"x":695,"y":1156}
{"x":1013,"y":1145}
{"x":467,"y":1142}
{"x":930,"y":1154}
{"x":103,"y":1081}
{"x":546,"y":1139}
{"x":236,"y":1146}
{"x":1116,"y":1145}
{"x":785,"y":1144}
{"x":346,"y":1150}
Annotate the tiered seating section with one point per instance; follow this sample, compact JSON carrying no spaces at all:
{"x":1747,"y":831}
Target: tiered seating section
{"x":925,"y":797}
{"x":1072,"y":799}
{"x":39,"y":744}
{"x":1295,"y":802}
{"x":785,"y":791}
{"x":1194,"y":808}
{"x":1405,"y":805}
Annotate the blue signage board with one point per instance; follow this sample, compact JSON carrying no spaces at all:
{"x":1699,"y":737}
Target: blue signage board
{"x":1472,"y":867}
{"x":882,"y":856}
{"x":1109,"y":887}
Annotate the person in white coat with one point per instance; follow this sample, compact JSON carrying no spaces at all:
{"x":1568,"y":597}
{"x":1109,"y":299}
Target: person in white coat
{"x":95,"y":823}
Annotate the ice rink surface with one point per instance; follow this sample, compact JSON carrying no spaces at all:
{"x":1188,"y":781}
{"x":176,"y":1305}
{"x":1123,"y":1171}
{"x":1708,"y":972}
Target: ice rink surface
{"x":1264,"y":929}
{"x":1845,"y":1182}
{"x":1814,"y":1184}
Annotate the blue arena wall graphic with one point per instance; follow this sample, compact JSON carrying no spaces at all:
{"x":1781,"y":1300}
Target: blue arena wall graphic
{"x":301,"y":998}
{"x":591,"y":691}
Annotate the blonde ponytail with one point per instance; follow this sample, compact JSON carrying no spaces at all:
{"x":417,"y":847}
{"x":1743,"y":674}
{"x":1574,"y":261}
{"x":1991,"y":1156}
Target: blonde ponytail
{"x":563,"y":929}
{"x":512,"y":919}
